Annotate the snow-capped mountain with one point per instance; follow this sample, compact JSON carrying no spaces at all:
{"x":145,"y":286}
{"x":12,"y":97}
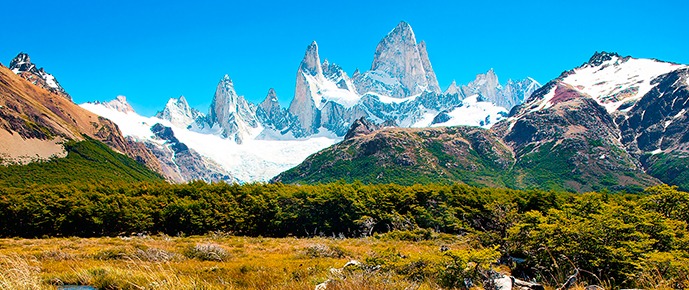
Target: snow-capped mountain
{"x":179,"y":113}
{"x":22,"y":66}
{"x":613,"y":116}
{"x":119,"y":104}
{"x":231,"y":115}
{"x":614,"y":82}
{"x":190,"y":154}
{"x":322,"y":102}
{"x":489,"y":88}
{"x":278,"y":123}
{"x":257,"y":141}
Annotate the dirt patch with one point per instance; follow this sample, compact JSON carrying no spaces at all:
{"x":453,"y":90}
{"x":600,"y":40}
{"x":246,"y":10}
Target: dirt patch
{"x":15,"y":149}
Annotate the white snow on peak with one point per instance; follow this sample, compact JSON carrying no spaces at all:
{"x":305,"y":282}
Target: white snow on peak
{"x":390,"y":100}
{"x":49,"y":79}
{"x":474,"y":113}
{"x":618,"y":80}
{"x":251,"y":161}
{"x":178,"y":112}
{"x":323,"y":90}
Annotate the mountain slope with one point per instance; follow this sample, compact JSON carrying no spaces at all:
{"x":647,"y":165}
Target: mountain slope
{"x":614,"y":122}
{"x":22,"y":66}
{"x":645,"y":98}
{"x":87,"y":161}
{"x":47,"y":139}
{"x":407,"y":156}
{"x":32,"y":117}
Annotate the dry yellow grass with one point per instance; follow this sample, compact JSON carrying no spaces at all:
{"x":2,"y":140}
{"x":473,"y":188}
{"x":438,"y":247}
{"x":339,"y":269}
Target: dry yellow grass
{"x":162,"y":262}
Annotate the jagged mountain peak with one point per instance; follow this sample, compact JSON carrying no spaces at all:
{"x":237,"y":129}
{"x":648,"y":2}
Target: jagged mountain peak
{"x":21,"y":62}
{"x":453,"y":89}
{"x":599,"y":58}
{"x":488,"y":78}
{"x":22,"y":65}
{"x":120,"y":104}
{"x":404,"y":30}
{"x":311,"y":63}
{"x":401,"y":67}
{"x":178,"y":112}
{"x":393,"y":47}
{"x":226,"y":80}
{"x":231,"y":112}
{"x":271,"y":101}
{"x":180,"y":102}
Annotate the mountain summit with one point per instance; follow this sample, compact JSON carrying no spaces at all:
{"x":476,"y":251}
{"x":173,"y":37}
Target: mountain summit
{"x":22,"y":66}
{"x":400,"y":67}
{"x":179,"y":113}
{"x":232,"y":113}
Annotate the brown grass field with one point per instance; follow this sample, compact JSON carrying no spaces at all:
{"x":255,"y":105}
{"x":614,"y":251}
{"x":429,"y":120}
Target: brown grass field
{"x":211,"y":262}
{"x":217,"y":261}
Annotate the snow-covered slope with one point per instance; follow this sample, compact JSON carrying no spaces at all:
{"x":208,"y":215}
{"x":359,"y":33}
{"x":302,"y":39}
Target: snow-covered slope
{"x":614,"y":82}
{"x":253,"y":160}
{"x":472,"y":112}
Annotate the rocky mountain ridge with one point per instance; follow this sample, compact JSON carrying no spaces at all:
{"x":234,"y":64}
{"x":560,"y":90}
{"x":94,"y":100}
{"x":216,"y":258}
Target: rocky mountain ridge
{"x":22,"y":66}
{"x":614,"y":122}
{"x":400,"y":87}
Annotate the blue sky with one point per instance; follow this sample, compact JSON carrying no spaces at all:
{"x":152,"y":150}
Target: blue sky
{"x":155,"y":50}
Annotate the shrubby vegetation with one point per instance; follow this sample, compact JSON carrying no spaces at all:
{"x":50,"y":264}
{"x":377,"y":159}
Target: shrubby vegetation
{"x":615,"y":237}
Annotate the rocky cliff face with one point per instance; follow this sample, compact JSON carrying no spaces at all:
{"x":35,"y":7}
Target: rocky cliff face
{"x":22,"y":66}
{"x":400,"y":67}
{"x":324,"y":97}
{"x":232,"y":113}
{"x":278,"y":123}
{"x":306,"y":100}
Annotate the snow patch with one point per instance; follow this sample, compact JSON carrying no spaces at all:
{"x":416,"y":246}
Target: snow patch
{"x":474,"y":113}
{"x":390,"y":100}
{"x":323,"y":90}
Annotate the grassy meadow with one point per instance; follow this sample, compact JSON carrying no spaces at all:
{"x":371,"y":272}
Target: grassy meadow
{"x":221,"y":262}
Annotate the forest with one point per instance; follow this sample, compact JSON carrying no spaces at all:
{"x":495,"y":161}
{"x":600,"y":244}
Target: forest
{"x":544,"y":235}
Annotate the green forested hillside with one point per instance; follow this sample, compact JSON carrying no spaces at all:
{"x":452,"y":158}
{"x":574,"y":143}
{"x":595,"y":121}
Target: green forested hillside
{"x":472,"y":156}
{"x":87,"y":161}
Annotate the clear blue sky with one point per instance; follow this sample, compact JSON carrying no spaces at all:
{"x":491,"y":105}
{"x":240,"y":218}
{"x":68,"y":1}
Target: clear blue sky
{"x":154,"y":50}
